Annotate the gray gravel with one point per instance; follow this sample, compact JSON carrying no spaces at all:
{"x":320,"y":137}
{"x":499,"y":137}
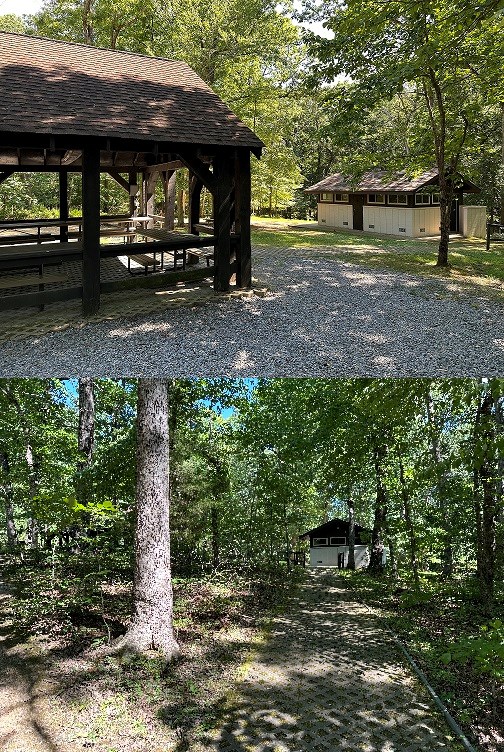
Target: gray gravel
{"x":322,"y":318}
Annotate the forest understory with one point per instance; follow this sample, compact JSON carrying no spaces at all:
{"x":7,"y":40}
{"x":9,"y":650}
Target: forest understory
{"x":441,"y":627}
{"x":56,"y":635}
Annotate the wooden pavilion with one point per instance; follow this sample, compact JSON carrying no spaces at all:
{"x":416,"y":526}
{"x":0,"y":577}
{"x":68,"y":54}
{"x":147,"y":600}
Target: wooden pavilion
{"x":72,"y":108}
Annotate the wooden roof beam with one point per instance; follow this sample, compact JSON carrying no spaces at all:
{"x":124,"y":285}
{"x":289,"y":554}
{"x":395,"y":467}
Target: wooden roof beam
{"x":198,"y":168}
{"x":119,"y":180}
{"x":70,"y":156}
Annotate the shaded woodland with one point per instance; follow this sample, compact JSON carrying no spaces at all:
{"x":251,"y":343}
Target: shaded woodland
{"x":252,"y":465}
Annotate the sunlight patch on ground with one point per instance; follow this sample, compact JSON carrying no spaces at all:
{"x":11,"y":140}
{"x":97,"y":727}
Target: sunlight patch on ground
{"x":243,"y":361}
{"x":145,"y":327}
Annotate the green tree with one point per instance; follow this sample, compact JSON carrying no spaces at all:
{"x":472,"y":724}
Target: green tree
{"x":433,"y":48}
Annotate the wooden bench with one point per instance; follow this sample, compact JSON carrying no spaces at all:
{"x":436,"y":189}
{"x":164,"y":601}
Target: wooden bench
{"x":207,"y":228}
{"x":195,"y":254}
{"x":20,"y":239}
{"x":28,"y":280}
{"x":143,"y":260}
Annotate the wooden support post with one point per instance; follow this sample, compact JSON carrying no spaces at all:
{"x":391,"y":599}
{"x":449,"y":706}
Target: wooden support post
{"x":149,"y":195}
{"x":195,"y":188}
{"x":133,"y":193}
{"x":90,"y":230}
{"x":170,"y":184}
{"x":242,"y":219}
{"x":63,"y":204}
{"x":223,"y":187}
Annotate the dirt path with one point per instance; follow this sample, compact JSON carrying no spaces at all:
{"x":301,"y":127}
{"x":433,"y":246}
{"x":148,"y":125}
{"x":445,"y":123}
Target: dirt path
{"x":330,"y":679}
{"x":20,"y":728}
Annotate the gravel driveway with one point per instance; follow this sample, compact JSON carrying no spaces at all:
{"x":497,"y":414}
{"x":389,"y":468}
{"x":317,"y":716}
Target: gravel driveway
{"x":322,"y":317}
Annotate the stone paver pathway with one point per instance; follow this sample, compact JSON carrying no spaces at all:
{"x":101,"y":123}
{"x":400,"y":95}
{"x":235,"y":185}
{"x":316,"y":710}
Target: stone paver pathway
{"x":330,"y":678}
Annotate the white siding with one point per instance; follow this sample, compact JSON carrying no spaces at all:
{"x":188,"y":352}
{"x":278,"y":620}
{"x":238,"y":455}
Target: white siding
{"x":427,"y":219}
{"x":335,"y":215}
{"x":327,"y":556}
{"x":473,"y":221}
{"x":389,"y":220}
{"x":419,"y":222}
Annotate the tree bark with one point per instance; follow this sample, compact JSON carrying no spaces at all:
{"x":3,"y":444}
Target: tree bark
{"x":12,"y":538}
{"x":351,"y":534}
{"x":180,"y":207}
{"x":409,"y":525}
{"x":445,"y":204}
{"x":86,"y":418}
{"x":86,"y":433}
{"x":502,"y":167}
{"x":32,"y":527}
{"x":170,"y":188}
{"x":486,"y":467}
{"x":446,"y":522}
{"x":151,"y":626}
{"x":376,"y":560}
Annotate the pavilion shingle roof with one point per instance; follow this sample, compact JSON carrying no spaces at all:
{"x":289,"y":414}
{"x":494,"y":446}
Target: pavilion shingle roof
{"x":380,"y":180}
{"x":61,"y":88}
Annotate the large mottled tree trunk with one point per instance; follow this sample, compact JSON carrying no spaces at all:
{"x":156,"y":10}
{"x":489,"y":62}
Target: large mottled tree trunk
{"x":376,"y":565}
{"x":151,"y":625}
{"x":351,"y":534}
{"x":12,"y":538}
{"x":86,"y":433}
{"x":409,"y":525}
{"x":502,"y":167}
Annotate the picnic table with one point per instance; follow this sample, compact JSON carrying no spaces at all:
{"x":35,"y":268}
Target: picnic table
{"x":129,"y":222}
{"x":186,"y":255}
{"x":38,"y":256}
{"x":495,"y":233}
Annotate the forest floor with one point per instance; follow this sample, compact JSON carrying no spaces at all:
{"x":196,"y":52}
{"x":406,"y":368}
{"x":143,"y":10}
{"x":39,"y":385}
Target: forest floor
{"x":264,"y":660}
{"x":62,"y":690}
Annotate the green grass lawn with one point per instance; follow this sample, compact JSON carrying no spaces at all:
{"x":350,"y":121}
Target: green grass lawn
{"x":471,"y":264}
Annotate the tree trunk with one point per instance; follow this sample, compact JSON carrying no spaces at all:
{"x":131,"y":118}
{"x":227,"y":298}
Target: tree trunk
{"x":409,"y":525}
{"x":376,"y":560}
{"x":180,"y":208}
{"x":445,"y":208}
{"x":502,"y":168}
{"x":32,"y":527}
{"x":485,"y":444}
{"x":86,"y":434}
{"x":351,"y":534}
{"x":170,"y":188}
{"x":86,"y":418}
{"x":214,"y":512}
{"x":392,"y":556}
{"x":446,"y":522}
{"x":151,"y":626}
{"x":12,"y":538}
{"x":477,"y":517}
